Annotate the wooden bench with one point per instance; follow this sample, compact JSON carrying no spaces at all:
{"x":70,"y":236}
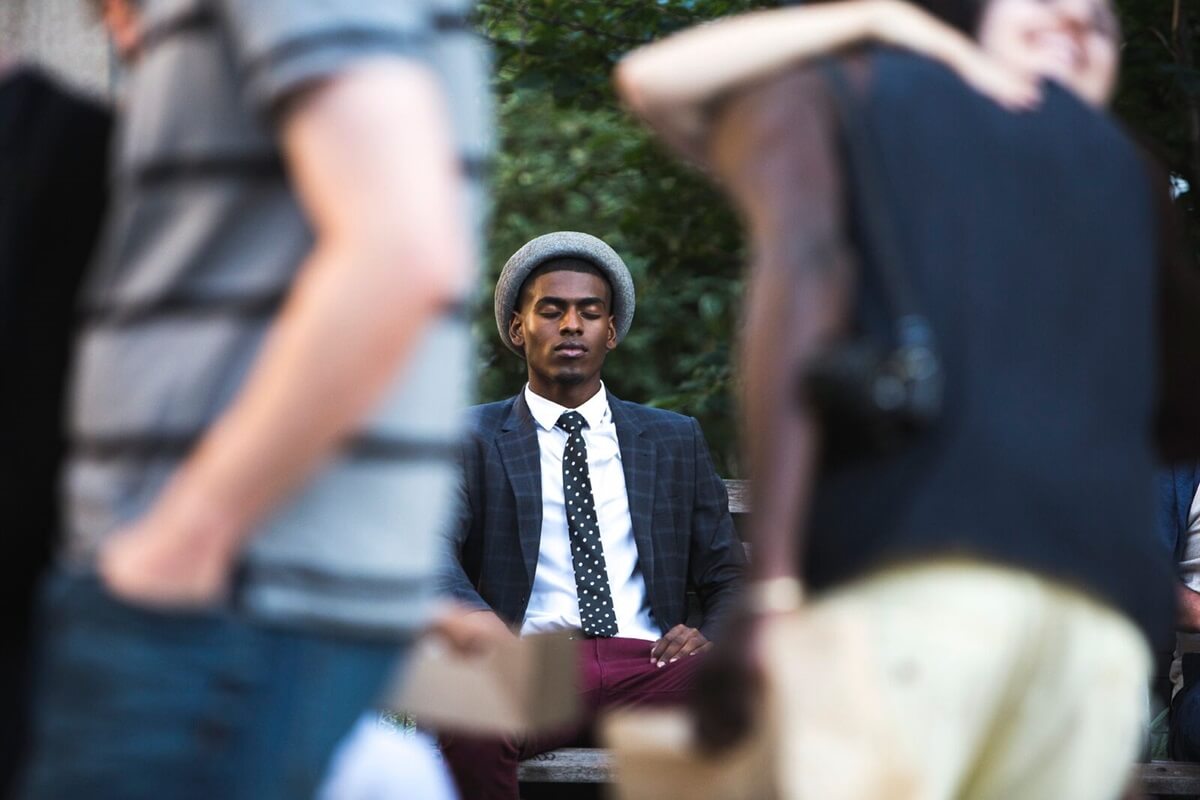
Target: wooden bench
{"x":568,"y":765}
{"x":593,"y":765}
{"x":586,"y":765}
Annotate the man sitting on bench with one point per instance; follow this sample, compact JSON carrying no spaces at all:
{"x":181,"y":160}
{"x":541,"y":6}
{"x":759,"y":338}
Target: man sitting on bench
{"x":582,"y":511}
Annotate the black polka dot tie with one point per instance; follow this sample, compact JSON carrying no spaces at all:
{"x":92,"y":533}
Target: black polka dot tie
{"x":596,"y":614}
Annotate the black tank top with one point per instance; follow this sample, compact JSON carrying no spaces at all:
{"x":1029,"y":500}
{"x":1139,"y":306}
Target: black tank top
{"x":1031,"y":238}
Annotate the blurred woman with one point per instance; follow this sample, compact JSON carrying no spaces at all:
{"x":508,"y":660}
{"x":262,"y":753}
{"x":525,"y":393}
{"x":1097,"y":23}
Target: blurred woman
{"x":985,"y":592}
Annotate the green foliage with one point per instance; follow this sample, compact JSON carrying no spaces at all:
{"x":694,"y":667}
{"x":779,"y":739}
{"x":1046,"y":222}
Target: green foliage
{"x":570,"y":159}
{"x":1159,"y":95}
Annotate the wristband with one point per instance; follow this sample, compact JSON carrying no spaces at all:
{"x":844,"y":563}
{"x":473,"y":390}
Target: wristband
{"x":776,"y":595}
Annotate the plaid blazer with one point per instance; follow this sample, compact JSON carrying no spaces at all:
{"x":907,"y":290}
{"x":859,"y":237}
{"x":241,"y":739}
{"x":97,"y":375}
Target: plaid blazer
{"x":680,"y":512}
{"x":1177,"y":487}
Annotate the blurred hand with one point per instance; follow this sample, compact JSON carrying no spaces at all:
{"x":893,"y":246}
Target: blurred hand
{"x":680,"y":641}
{"x":469,"y":630}
{"x":167,"y":563}
{"x":904,"y":25}
{"x":729,"y":684}
{"x":1189,"y":609}
{"x":1014,"y":90}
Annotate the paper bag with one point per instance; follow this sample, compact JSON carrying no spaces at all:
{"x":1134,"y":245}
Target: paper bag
{"x":822,"y":732}
{"x":518,"y":688}
{"x":654,"y":758}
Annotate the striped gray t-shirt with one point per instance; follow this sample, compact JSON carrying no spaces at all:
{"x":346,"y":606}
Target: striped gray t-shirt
{"x":204,"y":242}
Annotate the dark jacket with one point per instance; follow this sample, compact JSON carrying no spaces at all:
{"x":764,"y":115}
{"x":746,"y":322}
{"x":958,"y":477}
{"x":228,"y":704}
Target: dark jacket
{"x":1176,"y":490}
{"x":680,"y":513}
{"x":53,"y":190}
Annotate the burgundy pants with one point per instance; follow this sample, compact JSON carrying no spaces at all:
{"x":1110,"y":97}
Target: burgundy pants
{"x":612,"y":672}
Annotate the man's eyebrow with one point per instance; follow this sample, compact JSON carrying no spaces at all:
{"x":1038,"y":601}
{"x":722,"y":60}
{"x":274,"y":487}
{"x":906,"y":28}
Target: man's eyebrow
{"x":566,"y":301}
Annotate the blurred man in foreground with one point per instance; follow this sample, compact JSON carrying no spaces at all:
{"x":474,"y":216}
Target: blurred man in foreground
{"x":261,"y":425}
{"x":53,"y":156}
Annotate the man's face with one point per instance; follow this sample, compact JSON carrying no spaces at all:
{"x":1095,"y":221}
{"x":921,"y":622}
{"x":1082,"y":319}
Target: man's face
{"x":1071,"y":41}
{"x":123,"y":22}
{"x":565,"y":324}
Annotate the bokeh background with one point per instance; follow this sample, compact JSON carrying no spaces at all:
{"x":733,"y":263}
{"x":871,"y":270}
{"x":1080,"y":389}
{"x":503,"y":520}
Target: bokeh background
{"x":570,"y":158}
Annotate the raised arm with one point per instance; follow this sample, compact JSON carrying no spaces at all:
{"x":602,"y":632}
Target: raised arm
{"x":370,"y":154}
{"x":671,"y":84}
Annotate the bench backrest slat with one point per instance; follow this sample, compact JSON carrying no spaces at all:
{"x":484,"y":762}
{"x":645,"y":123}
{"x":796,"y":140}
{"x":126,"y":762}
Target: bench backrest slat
{"x":739,"y":496}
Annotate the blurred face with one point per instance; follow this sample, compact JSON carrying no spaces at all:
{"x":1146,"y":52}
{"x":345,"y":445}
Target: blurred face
{"x":566,"y":327}
{"x":1073,"y":42}
{"x":123,"y":22}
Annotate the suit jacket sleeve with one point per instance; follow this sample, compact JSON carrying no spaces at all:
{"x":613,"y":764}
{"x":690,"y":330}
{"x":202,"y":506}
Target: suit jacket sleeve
{"x":454,"y":582}
{"x":1170,"y":534}
{"x":717,"y":560}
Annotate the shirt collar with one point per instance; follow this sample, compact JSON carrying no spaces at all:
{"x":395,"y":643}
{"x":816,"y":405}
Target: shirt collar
{"x":546,"y":412}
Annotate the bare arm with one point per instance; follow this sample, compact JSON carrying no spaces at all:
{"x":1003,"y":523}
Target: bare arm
{"x":1189,"y":610}
{"x":774,"y":148}
{"x":670,"y":84}
{"x":371,"y":158}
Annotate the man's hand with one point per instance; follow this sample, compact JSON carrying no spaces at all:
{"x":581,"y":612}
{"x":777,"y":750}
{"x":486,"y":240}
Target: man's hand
{"x":171,"y":558}
{"x":904,"y":25}
{"x":680,"y":641}
{"x":1189,"y":610}
{"x":469,"y":630}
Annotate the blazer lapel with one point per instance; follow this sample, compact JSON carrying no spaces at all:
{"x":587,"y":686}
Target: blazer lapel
{"x":638,"y":462}
{"x":518,"y":447}
{"x":1186,"y":484}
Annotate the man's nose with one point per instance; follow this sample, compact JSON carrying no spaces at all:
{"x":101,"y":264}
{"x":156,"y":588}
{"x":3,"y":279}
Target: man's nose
{"x":572,"y":320}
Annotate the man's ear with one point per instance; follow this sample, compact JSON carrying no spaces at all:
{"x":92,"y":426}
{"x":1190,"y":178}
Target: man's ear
{"x":610,"y":341}
{"x":516,"y":332}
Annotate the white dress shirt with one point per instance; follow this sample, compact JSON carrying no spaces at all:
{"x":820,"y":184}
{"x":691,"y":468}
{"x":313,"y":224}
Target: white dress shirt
{"x":554,"y":601}
{"x":1189,"y":573}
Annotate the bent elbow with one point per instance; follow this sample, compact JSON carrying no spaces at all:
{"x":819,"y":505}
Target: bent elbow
{"x":435,"y":273}
{"x":630,"y":83}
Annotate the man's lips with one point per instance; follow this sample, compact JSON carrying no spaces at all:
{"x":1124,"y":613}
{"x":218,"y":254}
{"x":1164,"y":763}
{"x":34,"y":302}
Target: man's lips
{"x":571,"y":350}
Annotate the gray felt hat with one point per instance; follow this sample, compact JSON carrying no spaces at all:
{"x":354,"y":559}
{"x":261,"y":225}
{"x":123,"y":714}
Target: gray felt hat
{"x":564,"y":244}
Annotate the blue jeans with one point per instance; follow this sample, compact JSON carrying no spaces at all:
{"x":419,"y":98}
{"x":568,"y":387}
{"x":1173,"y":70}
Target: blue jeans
{"x":134,"y":703}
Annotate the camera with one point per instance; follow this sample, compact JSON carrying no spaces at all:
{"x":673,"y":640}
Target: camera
{"x":871,"y":399}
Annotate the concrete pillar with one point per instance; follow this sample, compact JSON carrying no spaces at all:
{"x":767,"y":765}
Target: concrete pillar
{"x":63,"y":36}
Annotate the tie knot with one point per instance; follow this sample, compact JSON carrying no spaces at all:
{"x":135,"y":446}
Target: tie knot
{"x":572,"y":421}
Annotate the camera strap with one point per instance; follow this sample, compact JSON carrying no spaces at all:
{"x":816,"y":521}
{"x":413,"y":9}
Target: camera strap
{"x":882,"y":243}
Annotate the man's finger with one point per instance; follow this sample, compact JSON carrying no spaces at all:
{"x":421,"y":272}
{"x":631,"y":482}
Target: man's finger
{"x":682,"y":636}
{"x":661,"y":645}
{"x":670,"y":654}
{"x":657,"y":648}
{"x":693,"y":645}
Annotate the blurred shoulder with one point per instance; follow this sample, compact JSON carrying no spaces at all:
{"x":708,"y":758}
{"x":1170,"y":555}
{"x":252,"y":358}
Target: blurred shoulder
{"x":486,"y":418}
{"x":655,"y":418}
